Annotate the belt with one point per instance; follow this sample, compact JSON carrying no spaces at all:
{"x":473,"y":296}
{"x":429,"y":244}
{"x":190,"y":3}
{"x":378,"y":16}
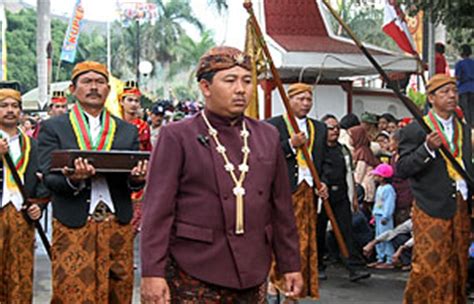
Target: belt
{"x":101,"y":212}
{"x":334,"y":188}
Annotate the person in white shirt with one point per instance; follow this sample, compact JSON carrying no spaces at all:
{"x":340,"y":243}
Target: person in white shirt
{"x":92,"y":234}
{"x":17,"y":234}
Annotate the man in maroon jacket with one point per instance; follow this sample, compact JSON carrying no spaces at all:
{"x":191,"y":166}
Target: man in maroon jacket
{"x":218,"y":202}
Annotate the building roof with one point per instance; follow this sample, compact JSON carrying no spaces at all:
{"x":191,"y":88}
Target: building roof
{"x":302,"y":40}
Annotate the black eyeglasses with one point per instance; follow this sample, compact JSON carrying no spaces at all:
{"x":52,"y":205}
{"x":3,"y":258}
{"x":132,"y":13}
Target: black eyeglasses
{"x":330,"y":127}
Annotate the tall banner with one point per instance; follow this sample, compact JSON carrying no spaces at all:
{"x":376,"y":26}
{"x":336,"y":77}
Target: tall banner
{"x":395,"y":26}
{"x":68,"y":51}
{"x":3,"y":43}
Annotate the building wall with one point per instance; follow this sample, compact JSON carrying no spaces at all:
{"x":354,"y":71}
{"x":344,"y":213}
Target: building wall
{"x":333,"y":99}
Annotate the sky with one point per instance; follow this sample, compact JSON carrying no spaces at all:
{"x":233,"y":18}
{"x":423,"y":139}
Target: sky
{"x":228,"y":27}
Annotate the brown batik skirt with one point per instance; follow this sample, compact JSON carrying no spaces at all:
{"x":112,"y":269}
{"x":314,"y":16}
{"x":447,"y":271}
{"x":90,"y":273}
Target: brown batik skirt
{"x":94,"y":263}
{"x":17,"y":239}
{"x":305,"y":214}
{"x":440,"y":256}
{"x":185,"y":289}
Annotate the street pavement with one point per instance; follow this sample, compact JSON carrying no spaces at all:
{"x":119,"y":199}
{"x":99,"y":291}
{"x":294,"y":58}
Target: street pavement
{"x":384,"y":286}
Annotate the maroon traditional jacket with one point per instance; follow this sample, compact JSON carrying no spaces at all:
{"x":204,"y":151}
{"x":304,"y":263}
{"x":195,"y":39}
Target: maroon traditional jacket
{"x":189,"y":207}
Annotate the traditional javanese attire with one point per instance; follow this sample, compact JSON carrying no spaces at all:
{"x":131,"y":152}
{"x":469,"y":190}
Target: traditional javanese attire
{"x":304,"y":199}
{"x":441,"y":223}
{"x":92,"y":235}
{"x":17,"y":235}
{"x":189,"y":215}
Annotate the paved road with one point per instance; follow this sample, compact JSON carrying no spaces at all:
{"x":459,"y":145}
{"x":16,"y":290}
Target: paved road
{"x":383,"y":287}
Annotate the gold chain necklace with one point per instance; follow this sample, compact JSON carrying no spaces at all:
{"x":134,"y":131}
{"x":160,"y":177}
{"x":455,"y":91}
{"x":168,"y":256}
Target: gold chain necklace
{"x":238,"y":190}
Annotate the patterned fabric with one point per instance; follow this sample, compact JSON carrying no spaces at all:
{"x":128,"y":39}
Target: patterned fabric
{"x":306,"y":214}
{"x":94,"y":263}
{"x":185,"y":289}
{"x":440,"y":256}
{"x":16,"y":259}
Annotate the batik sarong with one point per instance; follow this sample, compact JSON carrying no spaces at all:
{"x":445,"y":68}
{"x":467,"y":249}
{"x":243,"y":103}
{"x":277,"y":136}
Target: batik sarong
{"x":440,"y":256}
{"x":305,"y":214}
{"x":185,"y":289}
{"x":17,"y":239}
{"x":94,"y":263}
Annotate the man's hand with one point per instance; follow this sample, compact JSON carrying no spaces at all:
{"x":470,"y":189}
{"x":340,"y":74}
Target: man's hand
{"x":298,"y":140}
{"x":139,"y":172}
{"x":293,"y":284}
{"x":155,"y":290}
{"x":3,"y":146}
{"x":397,"y":254}
{"x":323,"y":191}
{"x":369,"y":248}
{"x":82,"y":170}
{"x":433,"y":140}
{"x":34,"y":212}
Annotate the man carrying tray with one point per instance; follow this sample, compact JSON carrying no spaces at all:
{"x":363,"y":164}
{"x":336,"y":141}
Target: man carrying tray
{"x":92,"y":235}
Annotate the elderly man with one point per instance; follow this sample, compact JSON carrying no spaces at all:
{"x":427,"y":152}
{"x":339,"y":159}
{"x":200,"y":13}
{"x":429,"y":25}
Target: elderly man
{"x":313,"y":134}
{"x":220,"y":204}
{"x":441,"y":223}
{"x":92,"y":235}
{"x":17,"y":236}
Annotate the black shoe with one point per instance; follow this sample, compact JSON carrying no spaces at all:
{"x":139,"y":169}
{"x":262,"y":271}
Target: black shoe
{"x":358,"y":275}
{"x":322,"y":275}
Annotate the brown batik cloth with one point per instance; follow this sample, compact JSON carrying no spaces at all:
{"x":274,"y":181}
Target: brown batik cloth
{"x":440,"y":257}
{"x":185,"y":289}
{"x":94,"y":263}
{"x":17,"y":239}
{"x":305,"y":214}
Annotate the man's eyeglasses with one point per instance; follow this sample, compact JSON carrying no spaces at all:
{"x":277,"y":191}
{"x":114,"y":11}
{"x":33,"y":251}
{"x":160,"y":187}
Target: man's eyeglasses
{"x":330,"y":127}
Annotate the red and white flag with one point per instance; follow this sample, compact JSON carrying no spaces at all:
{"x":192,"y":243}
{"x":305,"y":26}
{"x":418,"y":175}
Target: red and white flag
{"x":395,"y":26}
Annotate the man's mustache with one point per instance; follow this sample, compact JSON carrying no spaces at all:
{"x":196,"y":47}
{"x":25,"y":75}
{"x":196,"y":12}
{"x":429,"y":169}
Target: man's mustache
{"x":94,"y":94}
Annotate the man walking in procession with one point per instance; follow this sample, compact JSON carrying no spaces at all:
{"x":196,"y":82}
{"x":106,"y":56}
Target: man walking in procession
{"x":17,"y":234}
{"x":441,"y":223}
{"x":92,"y":235}
{"x":220,"y":204}
{"x":313,"y":134}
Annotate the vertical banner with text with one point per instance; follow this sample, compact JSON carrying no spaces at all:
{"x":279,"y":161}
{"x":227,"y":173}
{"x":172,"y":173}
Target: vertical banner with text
{"x":68,"y":51}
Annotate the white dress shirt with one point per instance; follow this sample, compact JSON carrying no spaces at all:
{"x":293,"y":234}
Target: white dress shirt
{"x":448,"y":129}
{"x":304,"y":174}
{"x":12,"y":195}
{"x":99,"y":187}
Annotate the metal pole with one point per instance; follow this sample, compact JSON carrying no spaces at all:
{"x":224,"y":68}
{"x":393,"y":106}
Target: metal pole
{"x":137,"y":53}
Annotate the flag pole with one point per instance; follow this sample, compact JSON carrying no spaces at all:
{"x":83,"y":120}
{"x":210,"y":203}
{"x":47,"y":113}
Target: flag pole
{"x":414,"y":110}
{"x":327,"y":207}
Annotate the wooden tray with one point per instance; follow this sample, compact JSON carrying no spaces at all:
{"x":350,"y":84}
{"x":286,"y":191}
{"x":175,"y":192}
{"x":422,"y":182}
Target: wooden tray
{"x":114,"y":161}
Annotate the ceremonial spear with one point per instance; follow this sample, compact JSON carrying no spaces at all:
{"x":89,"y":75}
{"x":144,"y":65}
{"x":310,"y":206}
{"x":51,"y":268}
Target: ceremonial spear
{"x":414,"y":110}
{"x":276,"y":76}
{"x":19,"y":183}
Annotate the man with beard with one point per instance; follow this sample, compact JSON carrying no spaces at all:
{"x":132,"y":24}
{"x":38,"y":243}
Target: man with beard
{"x":17,"y":235}
{"x":92,"y":235}
{"x":220,"y":204}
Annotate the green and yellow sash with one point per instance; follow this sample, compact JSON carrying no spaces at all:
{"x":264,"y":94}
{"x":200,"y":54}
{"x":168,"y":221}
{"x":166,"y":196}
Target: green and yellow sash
{"x":82,"y":130}
{"x":454,"y":146}
{"x":311,"y":134}
{"x":21,"y":162}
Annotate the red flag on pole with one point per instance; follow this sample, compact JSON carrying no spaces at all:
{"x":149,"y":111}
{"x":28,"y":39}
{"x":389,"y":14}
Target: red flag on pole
{"x":395,"y":26}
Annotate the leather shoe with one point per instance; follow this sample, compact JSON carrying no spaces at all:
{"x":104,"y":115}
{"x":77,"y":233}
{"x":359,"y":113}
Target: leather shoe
{"x":355,"y":275}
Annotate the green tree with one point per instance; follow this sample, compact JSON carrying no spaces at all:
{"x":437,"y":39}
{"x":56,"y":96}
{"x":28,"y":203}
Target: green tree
{"x":188,"y":51}
{"x":21,"y":48}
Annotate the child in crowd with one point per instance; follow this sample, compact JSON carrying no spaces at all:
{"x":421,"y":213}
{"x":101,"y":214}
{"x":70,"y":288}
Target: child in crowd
{"x":383,"y":210}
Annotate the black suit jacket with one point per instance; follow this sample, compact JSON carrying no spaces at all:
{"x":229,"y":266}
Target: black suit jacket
{"x":70,"y":206}
{"x":318,"y":152}
{"x":33,"y":187}
{"x":434,"y":190}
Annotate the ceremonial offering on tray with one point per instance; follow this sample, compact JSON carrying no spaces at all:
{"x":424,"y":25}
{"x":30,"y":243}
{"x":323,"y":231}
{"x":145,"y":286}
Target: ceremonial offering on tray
{"x":113,"y":161}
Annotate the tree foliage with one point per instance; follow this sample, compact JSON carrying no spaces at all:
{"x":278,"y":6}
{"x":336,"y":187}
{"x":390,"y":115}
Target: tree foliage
{"x":455,"y":14}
